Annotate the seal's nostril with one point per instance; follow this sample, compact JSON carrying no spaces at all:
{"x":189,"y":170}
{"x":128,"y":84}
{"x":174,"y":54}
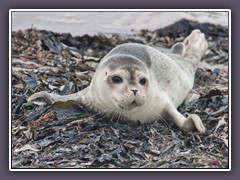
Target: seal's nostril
{"x":134,"y":91}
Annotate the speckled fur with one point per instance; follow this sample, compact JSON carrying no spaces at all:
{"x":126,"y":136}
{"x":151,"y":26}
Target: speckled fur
{"x":169,"y":78}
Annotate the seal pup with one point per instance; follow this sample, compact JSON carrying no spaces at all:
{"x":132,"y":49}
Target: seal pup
{"x":139,"y":83}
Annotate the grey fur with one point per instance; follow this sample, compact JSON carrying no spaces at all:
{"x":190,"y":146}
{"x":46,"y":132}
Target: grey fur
{"x":170,"y":77}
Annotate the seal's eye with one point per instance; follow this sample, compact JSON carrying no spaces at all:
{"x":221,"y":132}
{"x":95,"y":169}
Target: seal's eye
{"x":117,"y":79}
{"x":143,"y":81}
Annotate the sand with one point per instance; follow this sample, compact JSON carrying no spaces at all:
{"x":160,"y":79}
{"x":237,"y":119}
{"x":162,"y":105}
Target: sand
{"x":80,"y":23}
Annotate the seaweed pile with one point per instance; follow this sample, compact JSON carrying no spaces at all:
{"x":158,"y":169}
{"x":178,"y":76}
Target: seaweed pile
{"x":66,"y":136}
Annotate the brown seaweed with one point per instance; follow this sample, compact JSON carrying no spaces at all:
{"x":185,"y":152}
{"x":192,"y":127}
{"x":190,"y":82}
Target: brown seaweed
{"x":66,"y":136}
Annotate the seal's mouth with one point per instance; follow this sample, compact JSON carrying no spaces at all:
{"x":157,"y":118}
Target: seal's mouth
{"x":130,"y":106}
{"x":134,"y":103}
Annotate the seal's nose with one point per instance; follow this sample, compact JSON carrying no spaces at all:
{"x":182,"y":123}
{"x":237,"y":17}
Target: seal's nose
{"x":134,"y":91}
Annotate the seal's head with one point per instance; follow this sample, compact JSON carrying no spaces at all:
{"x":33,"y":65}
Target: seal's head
{"x":122,"y":83}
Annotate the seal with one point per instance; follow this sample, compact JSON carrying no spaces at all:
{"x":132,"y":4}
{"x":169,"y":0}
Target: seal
{"x":140,"y":83}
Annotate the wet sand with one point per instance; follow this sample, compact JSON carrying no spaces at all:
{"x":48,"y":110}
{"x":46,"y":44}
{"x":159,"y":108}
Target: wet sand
{"x":80,"y":23}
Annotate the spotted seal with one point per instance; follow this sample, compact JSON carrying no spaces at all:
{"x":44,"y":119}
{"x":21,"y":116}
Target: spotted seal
{"x":139,"y":83}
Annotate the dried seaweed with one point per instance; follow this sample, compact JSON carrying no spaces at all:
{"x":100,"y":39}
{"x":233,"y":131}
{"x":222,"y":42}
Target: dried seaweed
{"x":66,"y":136}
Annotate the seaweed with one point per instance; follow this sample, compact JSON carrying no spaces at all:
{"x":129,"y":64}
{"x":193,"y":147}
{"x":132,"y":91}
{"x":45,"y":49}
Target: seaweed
{"x":55,"y":137}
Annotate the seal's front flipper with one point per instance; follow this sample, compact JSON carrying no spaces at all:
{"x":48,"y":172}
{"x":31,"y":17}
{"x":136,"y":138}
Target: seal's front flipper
{"x":52,"y":98}
{"x":186,"y":124}
{"x":43,"y":94}
{"x":195,"y":119}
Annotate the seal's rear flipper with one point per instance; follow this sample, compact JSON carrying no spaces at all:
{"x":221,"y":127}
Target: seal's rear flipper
{"x":177,"y":48}
{"x":195,"y":45}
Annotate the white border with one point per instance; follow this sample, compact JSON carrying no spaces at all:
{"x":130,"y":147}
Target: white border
{"x":120,"y":10}
{"x":230,"y":87}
